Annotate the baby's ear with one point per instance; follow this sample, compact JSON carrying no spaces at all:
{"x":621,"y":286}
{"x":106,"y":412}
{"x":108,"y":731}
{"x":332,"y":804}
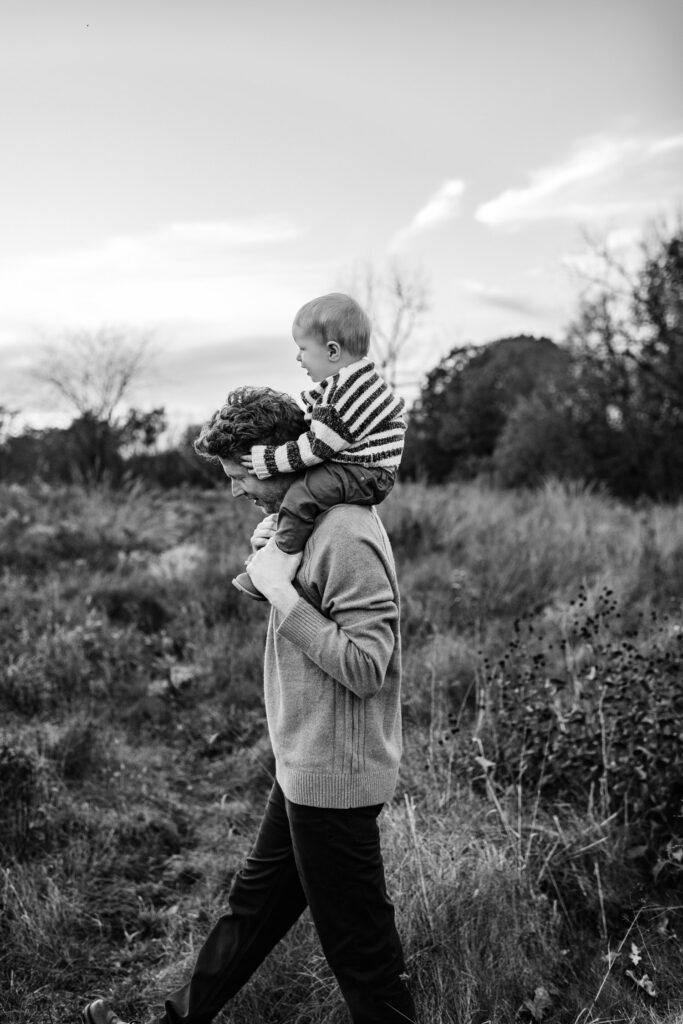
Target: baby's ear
{"x":333,"y":350}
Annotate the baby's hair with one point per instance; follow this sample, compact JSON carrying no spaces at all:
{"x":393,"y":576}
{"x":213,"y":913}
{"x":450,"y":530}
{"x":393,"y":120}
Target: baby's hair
{"x":249,"y":416}
{"x":337,"y":317}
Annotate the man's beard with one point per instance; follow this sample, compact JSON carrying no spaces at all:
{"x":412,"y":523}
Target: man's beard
{"x":271,"y":503}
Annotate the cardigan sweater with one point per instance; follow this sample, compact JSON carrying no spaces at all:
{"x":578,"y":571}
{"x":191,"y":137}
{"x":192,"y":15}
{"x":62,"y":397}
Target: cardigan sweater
{"x":354,"y":416}
{"x":332,"y":670}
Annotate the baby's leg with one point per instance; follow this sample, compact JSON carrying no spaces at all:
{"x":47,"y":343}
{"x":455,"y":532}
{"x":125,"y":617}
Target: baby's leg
{"x":319,"y":489}
{"x":322,"y":487}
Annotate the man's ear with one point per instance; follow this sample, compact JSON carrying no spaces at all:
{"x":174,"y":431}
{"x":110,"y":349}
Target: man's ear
{"x":333,"y":351}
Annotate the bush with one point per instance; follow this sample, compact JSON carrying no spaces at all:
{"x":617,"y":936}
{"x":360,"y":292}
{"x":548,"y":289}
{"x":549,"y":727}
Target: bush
{"x":539,"y":441}
{"x":593,"y":715}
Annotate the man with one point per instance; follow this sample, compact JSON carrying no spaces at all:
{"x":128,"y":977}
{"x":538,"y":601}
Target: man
{"x":332,"y":694}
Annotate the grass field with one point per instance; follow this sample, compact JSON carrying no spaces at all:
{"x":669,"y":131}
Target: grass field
{"x":534,"y":849}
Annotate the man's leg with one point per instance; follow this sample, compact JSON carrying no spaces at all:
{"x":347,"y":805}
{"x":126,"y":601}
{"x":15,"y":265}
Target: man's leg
{"x":265,"y":900}
{"x":340,"y":865}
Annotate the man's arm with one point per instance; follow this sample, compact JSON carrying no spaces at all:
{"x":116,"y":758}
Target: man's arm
{"x":352,"y":637}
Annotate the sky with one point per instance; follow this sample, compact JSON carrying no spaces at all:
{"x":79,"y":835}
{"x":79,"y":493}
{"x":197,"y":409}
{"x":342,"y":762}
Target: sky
{"x":196,"y":171}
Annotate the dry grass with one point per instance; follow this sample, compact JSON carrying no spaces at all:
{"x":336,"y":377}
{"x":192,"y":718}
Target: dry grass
{"x":136,"y":763}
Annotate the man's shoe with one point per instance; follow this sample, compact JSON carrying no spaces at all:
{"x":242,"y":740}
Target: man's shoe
{"x":243,"y":583}
{"x":100,"y":1012}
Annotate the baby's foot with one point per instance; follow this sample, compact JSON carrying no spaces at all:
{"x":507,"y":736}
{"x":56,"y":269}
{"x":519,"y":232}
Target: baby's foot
{"x":244,"y":583}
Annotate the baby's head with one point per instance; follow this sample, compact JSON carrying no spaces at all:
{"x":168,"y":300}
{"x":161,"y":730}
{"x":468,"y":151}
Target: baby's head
{"x":331,"y":332}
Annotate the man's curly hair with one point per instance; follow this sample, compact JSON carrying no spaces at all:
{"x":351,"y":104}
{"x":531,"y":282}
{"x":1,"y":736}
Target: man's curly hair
{"x":250,"y":416}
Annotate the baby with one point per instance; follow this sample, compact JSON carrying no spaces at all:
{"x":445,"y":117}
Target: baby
{"x":354,"y":443}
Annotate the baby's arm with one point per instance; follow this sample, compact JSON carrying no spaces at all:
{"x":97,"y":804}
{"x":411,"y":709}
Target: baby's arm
{"x":333,"y":428}
{"x":328,"y":435}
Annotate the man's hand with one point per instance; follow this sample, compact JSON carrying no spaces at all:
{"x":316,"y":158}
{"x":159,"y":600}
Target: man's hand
{"x":263,"y":532}
{"x":247,"y":462}
{"x":272,"y":571}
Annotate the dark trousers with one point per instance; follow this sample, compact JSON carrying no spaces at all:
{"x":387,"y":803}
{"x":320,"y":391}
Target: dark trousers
{"x":329,"y":860}
{"x":321,"y":487}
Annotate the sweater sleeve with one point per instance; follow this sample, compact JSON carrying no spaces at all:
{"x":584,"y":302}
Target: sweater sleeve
{"x":350,"y":411}
{"x":353,"y":635}
{"x":327,"y":436}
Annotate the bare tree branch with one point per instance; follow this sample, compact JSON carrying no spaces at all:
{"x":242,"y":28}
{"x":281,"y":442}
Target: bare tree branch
{"x":93,"y":371}
{"x":396,"y":299}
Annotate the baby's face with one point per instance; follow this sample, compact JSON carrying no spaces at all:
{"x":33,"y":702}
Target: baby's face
{"x":314,"y":355}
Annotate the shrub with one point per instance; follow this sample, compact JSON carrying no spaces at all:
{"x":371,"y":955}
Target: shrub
{"x":539,"y":441}
{"x":594,"y":715}
{"x":76,"y":750}
{"x":136,"y":601}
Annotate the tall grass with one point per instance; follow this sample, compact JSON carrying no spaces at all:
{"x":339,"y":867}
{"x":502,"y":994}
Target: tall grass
{"x":134,"y":762}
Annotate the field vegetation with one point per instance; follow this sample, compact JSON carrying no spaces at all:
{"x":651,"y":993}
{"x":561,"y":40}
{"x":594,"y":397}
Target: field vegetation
{"x":534,"y":849}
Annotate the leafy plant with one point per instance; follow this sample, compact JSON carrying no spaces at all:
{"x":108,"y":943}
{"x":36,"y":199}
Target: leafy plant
{"x":594,"y":715}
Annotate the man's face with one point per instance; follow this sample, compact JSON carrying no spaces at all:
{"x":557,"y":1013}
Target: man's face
{"x":267,"y":494}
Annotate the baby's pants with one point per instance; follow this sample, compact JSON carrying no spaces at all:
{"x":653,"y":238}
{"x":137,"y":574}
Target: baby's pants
{"x":321,"y":487}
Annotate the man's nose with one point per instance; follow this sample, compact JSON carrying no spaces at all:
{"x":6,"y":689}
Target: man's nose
{"x":236,"y":489}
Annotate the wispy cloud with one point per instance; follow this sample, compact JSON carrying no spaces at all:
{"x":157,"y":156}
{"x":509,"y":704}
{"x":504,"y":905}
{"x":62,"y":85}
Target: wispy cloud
{"x":443,"y":206}
{"x":489,"y":295}
{"x":172,"y":249}
{"x":205,"y":271}
{"x":583,"y":186}
{"x":667,"y":145}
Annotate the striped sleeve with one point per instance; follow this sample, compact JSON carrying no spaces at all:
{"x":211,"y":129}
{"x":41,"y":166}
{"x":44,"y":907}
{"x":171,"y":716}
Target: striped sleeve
{"x":328,"y":436}
{"x":354,"y":416}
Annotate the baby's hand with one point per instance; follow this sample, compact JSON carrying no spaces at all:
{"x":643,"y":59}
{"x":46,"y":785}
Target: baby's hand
{"x":246,"y":461}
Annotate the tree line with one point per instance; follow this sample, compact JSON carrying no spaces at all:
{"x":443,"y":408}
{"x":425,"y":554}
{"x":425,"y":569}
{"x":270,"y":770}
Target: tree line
{"x":604,"y":406}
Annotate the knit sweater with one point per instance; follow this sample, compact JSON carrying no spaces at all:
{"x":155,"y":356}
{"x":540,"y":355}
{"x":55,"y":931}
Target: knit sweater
{"x":332,"y":669}
{"x":354,"y":416}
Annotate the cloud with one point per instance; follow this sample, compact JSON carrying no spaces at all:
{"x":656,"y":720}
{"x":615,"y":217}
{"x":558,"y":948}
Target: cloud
{"x":240,"y":273}
{"x":177,"y":249}
{"x":443,"y":206}
{"x":499,"y":299}
{"x":667,"y":145}
{"x":603,"y":177}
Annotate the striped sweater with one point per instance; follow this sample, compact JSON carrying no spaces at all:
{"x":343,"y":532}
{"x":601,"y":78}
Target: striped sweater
{"x":353,"y":416}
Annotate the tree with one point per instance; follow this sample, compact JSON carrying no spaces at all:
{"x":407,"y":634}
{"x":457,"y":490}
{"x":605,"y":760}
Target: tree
{"x":140,"y":431}
{"x":7,"y":417}
{"x":174,"y":466}
{"x":616,"y":416}
{"x":466,"y":400}
{"x":396,"y":299}
{"x":540,"y":440}
{"x":627,"y":349}
{"x":93,"y":372}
